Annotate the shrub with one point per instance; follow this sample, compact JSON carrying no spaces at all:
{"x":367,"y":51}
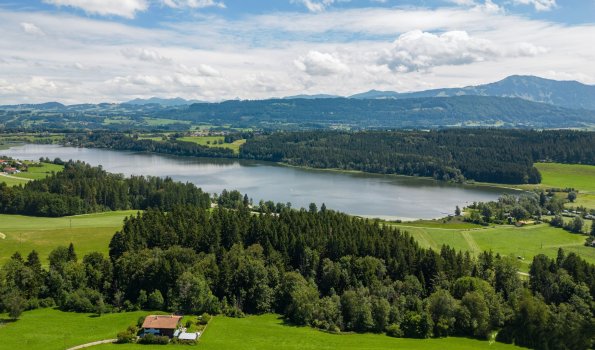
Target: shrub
{"x":126,"y":338}
{"x":204,"y":319}
{"x":393,"y":330}
{"x":154,"y":339}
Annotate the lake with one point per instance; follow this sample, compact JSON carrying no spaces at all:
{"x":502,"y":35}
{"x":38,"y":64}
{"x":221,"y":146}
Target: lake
{"x":369,"y":195}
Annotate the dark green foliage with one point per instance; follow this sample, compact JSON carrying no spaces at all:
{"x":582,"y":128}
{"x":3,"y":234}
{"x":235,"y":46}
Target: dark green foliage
{"x":502,"y":156}
{"x":81,"y":189}
{"x":154,"y":339}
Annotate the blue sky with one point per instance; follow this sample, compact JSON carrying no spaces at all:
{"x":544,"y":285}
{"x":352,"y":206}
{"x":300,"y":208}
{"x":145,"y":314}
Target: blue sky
{"x":115,"y":50}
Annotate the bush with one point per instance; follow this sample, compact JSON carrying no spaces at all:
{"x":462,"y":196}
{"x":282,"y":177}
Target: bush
{"x":126,"y":338}
{"x":204,"y":319}
{"x":393,"y":330}
{"x":154,"y":339}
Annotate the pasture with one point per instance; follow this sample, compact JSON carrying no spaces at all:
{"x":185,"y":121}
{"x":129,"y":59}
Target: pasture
{"x":270,"y":332}
{"x":213,"y":141}
{"x":50,"y":329}
{"x":88,"y":233}
{"x":524,"y":242}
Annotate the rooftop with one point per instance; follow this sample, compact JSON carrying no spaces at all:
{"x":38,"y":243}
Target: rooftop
{"x":161,"y":321}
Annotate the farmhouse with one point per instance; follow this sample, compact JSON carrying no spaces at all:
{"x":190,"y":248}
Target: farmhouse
{"x":10,"y":170}
{"x":161,"y":324}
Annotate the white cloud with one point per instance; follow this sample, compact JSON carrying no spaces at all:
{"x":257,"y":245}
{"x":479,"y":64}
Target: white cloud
{"x":321,"y":64}
{"x":122,"y":8}
{"x":31,"y":28}
{"x":146,"y":55}
{"x":421,"y":51}
{"x":314,"y":5}
{"x":539,"y":5}
{"x":193,"y":3}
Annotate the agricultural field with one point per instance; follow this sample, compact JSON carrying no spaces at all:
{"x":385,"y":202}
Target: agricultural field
{"x":270,"y":332}
{"x":33,"y":173}
{"x":50,"y":329}
{"x":524,"y":242}
{"x":212,"y":141}
{"x":577,"y":176}
{"x":88,"y":233}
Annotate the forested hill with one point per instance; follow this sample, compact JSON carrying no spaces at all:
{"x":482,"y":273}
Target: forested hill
{"x":501,"y":156}
{"x":390,"y":113}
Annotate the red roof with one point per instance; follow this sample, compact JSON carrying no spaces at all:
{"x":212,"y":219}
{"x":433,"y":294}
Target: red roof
{"x":161,"y":321}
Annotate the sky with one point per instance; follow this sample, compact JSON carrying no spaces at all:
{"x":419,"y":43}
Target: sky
{"x":90,"y":51}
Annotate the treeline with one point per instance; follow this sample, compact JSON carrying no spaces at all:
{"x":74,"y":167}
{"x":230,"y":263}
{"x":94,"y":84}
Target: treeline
{"x":118,"y":141}
{"x":81,"y":188}
{"x":489,"y":155}
{"x":318,"y":268}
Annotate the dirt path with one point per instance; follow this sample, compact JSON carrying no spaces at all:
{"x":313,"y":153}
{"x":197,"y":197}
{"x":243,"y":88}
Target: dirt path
{"x":99,"y":342}
{"x":15,"y":177}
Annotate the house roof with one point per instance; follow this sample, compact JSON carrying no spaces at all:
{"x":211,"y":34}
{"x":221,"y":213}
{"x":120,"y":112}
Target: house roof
{"x":161,"y":321}
{"x":188,"y":336}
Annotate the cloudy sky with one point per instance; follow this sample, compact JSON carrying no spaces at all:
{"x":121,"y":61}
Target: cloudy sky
{"x":76,"y":51}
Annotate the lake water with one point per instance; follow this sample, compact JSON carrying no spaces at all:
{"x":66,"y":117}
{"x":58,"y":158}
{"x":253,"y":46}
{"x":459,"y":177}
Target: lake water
{"x":383,"y":196}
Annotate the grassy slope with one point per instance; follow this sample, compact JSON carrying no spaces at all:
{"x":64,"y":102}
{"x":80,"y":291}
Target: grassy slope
{"x":269,"y":332}
{"x":50,"y":329}
{"x":525,"y":241}
{"x":568,"y":175}
{"x":202,"y":140}
{"x":33,"y":173}
{"x":88,"y":233}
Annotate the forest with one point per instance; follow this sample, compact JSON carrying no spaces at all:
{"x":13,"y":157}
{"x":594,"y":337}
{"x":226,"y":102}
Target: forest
{"x":81,"y":189}
{"x":487,"y":155}
{"x":316,"y":267}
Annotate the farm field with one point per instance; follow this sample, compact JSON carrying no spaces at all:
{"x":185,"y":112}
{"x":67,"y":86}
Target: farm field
{"x":33,"y":173}
{"x":524,"y":242}
{"x":51,"y":329}
{"x":269,"y":332}
{"x":211,"y":141}
{"x":88,"y":233}
{"x":577,"y":176}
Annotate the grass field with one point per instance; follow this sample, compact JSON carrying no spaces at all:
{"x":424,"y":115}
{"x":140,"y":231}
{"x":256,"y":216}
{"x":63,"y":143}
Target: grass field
{"x":269,"y":332}
{"x":577,"y":176}
{"x":211,"y":141}
{"x":33,"y":173}
{"x":525,"y":242}
{"x":88,"y":233}
{"x":51,"y":329}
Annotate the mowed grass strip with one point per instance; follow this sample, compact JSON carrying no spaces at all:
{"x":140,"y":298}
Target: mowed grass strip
{"x":51,"y":329}
{"x":212,"y":141}
{"x":269,"y":332}
{"x":88,"y":233}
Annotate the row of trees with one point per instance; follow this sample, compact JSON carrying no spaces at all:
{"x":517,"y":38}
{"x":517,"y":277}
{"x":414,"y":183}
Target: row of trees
{"x":81,"y":188}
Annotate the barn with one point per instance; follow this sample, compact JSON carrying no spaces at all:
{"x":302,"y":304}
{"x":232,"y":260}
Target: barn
{"x":161,"y":324}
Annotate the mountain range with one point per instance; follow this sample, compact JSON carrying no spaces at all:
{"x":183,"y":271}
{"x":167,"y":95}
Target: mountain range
{"x":569,"y":94}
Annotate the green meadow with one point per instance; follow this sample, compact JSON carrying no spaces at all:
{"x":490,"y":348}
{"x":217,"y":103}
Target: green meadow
{"x":88,"y":233}
{"x":50,"y":329}
{"x":524,"y":242}
{"x":33,"y":173}
{"x":577,"y":176}
{"x":270,"y":332}
{"x":211,"y":141}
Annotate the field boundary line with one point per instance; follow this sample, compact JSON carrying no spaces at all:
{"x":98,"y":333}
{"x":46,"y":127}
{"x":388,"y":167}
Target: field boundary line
{"x":87,"y":345}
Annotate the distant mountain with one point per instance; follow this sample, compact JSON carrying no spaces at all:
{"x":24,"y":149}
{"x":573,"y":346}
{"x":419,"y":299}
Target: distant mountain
{"x":570,"y":94}
{"x":375,"y":94}
{"x":428,"y":112}
{"x":38,"y":106}
{"x":178,"y":101}
{"x":310,"y":97}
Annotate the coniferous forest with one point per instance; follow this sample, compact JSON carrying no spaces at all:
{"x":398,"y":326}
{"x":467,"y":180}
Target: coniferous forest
{"x":488,"y":155}
{"x":316,"y":267}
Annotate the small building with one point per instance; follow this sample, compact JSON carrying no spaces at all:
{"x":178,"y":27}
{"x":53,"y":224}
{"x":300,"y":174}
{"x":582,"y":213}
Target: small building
{"x":161,"y":324}
{"x":188,"y":336}
{"x":10,"y":170}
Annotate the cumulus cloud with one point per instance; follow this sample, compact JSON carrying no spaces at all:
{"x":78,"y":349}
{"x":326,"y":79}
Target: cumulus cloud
{"x":122,"y":8}
{"x":314,"y":5}
{"x":31,"y":28}
{"x":201,"y":69}
{"x":539,"y":5}
{"x":421,"y":51}
{"x":146,"y":55}
{"x":317,"y":63}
